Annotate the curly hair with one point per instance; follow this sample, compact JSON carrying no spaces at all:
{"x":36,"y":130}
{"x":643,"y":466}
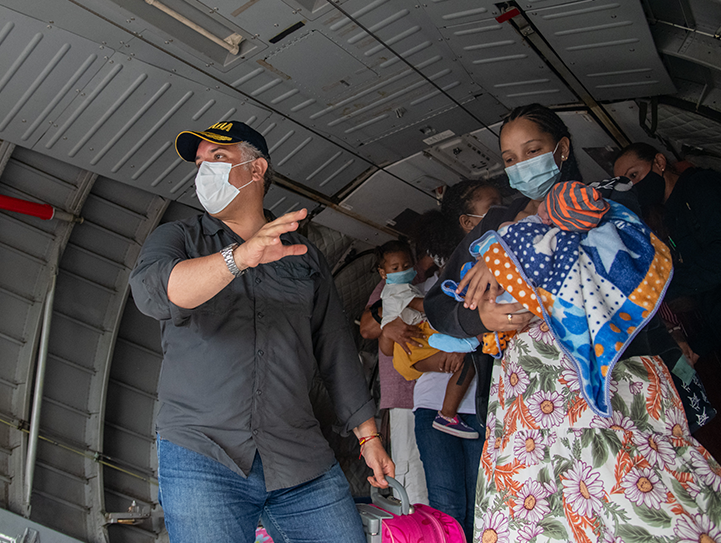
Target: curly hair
{"x":393,"y":246}
{"x":549,"y":122}
{"x":433,"y":236}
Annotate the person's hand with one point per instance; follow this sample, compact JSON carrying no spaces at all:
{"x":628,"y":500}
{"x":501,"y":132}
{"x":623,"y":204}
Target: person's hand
{"x":687,"y":351}
{"x":378,"y":460}
{"x":543,"y":213}
{"x":479,"y":280}
{"x":451,"y":362}
{"x":265,"y":246}
{"x":403,"y":334}
{"x":502,"y":317}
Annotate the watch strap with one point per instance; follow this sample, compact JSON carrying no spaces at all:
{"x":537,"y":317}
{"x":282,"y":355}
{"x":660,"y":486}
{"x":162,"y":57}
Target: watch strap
{"x":227,"y":253}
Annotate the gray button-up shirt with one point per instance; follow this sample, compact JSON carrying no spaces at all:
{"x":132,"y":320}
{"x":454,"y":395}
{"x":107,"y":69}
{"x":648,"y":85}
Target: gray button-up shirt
{"x":237,"y":370}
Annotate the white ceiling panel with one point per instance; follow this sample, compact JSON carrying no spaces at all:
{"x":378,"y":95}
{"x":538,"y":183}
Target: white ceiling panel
{"x":42,"y":69}
{"x":607,"y":45}
{"x":495,"y":55}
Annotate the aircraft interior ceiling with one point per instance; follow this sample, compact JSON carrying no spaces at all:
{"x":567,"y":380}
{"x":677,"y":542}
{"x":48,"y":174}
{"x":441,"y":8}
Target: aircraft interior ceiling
{"x":368,"y":107}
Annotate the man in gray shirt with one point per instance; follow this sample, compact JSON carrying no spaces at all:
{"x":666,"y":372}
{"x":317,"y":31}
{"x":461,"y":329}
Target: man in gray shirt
{"x":248,"y":311}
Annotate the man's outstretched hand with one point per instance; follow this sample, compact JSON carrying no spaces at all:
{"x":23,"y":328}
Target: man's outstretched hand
{"x":265,"y":246}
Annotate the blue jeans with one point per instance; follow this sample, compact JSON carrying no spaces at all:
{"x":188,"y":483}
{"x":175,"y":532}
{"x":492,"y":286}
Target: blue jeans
{"x":451,"y":465}
{"x":205,"y":501}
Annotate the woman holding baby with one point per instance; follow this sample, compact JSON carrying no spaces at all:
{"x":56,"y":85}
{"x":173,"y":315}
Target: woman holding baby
{"x":581,"y":445}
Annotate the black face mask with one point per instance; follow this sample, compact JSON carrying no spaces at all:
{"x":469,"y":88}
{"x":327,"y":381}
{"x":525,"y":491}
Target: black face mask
{"x":650,"y":190}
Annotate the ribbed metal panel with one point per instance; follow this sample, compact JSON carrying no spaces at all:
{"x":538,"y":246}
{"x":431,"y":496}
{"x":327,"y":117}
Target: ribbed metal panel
{"x":606,"y":44}
{"x":495,"y":54}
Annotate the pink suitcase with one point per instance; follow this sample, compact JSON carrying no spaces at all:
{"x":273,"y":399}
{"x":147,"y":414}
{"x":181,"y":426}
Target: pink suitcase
{"x":394,"y":520}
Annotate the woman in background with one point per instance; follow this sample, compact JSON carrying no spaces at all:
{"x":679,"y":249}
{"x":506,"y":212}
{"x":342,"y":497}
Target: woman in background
{"x":684,"y":210}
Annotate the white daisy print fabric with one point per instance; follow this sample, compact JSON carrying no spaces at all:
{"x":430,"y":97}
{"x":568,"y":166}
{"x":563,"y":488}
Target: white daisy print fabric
{"x":553,"y":471}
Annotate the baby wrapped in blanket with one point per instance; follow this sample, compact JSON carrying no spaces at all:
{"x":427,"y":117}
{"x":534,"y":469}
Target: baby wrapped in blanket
{"x":589,"y":267}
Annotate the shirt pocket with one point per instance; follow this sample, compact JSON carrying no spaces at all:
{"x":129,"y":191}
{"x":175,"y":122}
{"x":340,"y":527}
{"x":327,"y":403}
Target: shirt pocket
{"x":296,"y":286}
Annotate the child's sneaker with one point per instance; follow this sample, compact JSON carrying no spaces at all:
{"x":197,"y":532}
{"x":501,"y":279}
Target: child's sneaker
{"x":454,"y":426}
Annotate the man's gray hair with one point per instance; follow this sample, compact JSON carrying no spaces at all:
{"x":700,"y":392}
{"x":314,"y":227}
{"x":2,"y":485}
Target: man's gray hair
{"x":251,"y":152}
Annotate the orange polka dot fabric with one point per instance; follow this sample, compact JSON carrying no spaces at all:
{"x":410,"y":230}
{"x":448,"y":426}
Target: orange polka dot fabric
{"x":594,"y":289}
{"x":508,"y":276}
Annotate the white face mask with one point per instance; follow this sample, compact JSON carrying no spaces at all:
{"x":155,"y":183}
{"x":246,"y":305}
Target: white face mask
{"x":213,"y":188}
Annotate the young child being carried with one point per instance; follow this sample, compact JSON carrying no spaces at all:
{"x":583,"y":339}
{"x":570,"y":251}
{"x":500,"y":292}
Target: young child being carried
{"x":401,"y":299}
{"x":590,"y":268}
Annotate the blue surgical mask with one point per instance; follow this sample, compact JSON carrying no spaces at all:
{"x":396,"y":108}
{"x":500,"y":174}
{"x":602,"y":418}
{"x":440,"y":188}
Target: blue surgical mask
{"x":534,"y":177}
{"x":401,"y":277}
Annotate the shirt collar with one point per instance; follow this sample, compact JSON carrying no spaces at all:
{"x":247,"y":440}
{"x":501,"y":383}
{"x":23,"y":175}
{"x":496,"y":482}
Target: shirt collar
{"x":211,"y":225}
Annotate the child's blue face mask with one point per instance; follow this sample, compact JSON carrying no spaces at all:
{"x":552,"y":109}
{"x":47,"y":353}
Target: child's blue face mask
{"x":534,"y":177}
{"x":401,"y":277}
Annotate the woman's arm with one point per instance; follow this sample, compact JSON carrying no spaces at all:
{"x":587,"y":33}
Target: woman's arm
{"x":444,"y":313}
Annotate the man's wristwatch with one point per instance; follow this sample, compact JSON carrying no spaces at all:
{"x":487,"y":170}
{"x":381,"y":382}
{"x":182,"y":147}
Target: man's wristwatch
{"x":227,"y":253}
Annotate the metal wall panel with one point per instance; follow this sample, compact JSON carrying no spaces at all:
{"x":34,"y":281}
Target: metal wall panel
{"x":29,"y":249}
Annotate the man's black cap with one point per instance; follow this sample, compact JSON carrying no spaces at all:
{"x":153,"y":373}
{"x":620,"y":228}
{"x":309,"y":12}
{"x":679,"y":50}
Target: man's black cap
{"x":222,"y":133}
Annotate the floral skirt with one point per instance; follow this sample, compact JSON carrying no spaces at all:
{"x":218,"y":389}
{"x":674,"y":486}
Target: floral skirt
{"x":552,"y":470}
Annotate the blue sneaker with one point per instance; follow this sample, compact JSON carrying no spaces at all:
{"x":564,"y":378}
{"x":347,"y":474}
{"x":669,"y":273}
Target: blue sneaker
{"x":454,"y":426}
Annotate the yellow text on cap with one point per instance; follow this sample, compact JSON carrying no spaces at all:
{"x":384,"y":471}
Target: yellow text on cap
{"x":222,"y":126}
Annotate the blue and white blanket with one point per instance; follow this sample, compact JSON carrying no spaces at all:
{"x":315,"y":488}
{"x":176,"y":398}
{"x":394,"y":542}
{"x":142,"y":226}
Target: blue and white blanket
{"x":595,"y":289}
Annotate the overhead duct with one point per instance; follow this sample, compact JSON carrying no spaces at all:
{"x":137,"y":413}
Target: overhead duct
{"x":230,"y":43}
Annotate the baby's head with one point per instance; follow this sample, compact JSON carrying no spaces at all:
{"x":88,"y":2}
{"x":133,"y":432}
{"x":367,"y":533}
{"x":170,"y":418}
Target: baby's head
{"x":394,"y":256}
